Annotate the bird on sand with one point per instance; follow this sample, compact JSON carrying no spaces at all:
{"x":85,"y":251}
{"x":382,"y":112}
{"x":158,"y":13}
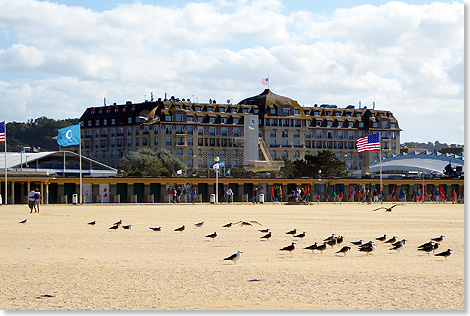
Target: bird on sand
{"x":367,"y":244}
{"x":444,"y":254}
{"x":339,"y":240}
{"x":344,"y":250}
{"x":329,"y":238}
{"x":292,"y":232}
{"x":118,"y":223}
{"x":114,"y":227}
{"x":387,"y":209}
{"x":23,"y":221}
{"x":332,"y":242}
{"x":267,"y":236}
{"x":199,"y":224}
{"x":91,"y":223}
{"x":180,"y":229}
{"x":312,"y":247}
{"x":289,"y":248}
{"x":391,"y":240}
{"x":156,"y":229}
{"x":368,"y":249}
{"x":430,"y":243}
{"x":357,"y":243}
{"x":383,"y":238}
{"x":228,"y":225}
{"x":234,"y":257}
{"x":399,"y":242}
{"x":438,"y":239}
{"x":212,"y":235}
{"x":398,"y":245}
{"x":300,"y":235}
{"x":127,"y":226}
{"x":321,"y":247}
{"x":264,"y":230}
{"x":427,"y":248}
{"x":247,"y":223}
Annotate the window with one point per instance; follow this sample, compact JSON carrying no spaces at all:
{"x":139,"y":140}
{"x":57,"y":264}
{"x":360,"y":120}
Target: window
{"x":197,"y":108}
{"x":272,"y":143}
{"x":393,"y":125}
{"x":296,"y":111}
{"x":285,"y":133}
{"x":361,"y":124}
{"x":308,"y":134}
{"x":235,"y":120}
{"x":394,"y":145}
{"x":296,"y":134}
{"x":189,"y":119}
{"x":384,"y":124}
{"x":285,"y":112}
{"x":234,"y":154}
{"x":210,"y":154}
{"x":358,"y":114}
{"x":255,"y":111}
{"x":223,"y":120}
{"x":156,"y":141}
{"x":137,"y":142}
{"x":168,"y":130}
{"x":272,"y":133}
{"x":211,"y":119}
{"x":236,"y":132}
{"x":340,"y":135}
{"x":168,"y":140}
{"x":180,"y":140}
{"x":319,"y":134}
{"x":179,"y":117}
{"x":234,"y":163}
{"x":222,"y":154}
{"x":244,"y":110}
{"x":190,"y":163}
{"x":168,"y":118}
{"x":272,"y":111}
{"x":210,"y":109}
{"x":221,"y":110}
{"x":212,"y":131}
{"x":179,"y":129}
{"x":329,"y":123}
{"x":296,"y":155}
{"x":129,"y":120}
{"x":179,"y":152}
{"x":375,"y":125}
{"x":273,"y":154}
{"x":284,"y":143}
{"x":190,"y":141}
{"x":199,"y":119}
{"x":284,"y":154}
{"x":224,"y":131}
{"x":350,"y":135}
{"x":105,"y":122}
{"x":233,"y":110}
{"x":97,"y":123}
{"x":318,"y":123}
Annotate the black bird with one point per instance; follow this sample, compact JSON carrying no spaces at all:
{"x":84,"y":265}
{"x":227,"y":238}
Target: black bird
{"x":332,"y":242}
{"x":344,"y":250}
{"x":199,"y":224}
{"x":212,"y":235}
{"x":387,"y":209}
{"x":399,"y":242}
{"x":91,"y":223}
{"x":180,"y":229}
{"x":234,"y":257}
{"x":438,"y":239}
{"x":398,"y":245}
{"x":435,"y":246}
{"x":267,"y":236}
{"x":118,"y":223}
{"x":321,"y":247}
{"x":300,"y":235}
{"x":329,"y":238}
{"x":357,"y":243}
{"x":427,"y":248}
{"x":156,"y":229}
{"x":312,"y":247}
{"x":383,"y":238}
{"x":289,"y":248}
{"x":114,"y":227}
{"x":444,"y":254}
{"x":339,"y":240}
{"x":292,"y":232}
{"x":366,"y":245}
{"x":23,"y":221}
{"x":228,"y":225}
{"x":264,"y":230}
{"x":428,"y":244}
{"x":127,"y":226}
{"x":368,"y":249}
{"x":391,"y":240}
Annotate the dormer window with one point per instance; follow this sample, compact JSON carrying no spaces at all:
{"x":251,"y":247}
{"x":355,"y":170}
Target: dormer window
{"x":233,"y":110}
{"x":272,"y":111}
{"x":221,"y":110}
{"x":197,"y":108}
{"x":296,"y":111}
{"x":285,"y":112}
{"x":210,"y":109}
{"x":255,"y":111}
{"x":245,"y":110}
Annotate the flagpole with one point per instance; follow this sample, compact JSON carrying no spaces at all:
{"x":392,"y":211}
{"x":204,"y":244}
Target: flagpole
{"x":6,"y":177}
{"x":380,"y":158}
{"x":80,"y":154}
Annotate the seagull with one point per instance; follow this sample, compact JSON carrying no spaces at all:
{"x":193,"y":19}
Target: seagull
{"x":234,"y":257}
{"x":444,"y":254}
{"x":180,"y":229}
{"x":114,"y":227}
{"x":91,"y":223}
{"x":332,"y":242}
{"x":199,"y":224}
{"x":118,"y":223}
{"x":339,"y":240}
{"x":357,"y":243}
{"x":398,"y":245}
{"x":156,"y":229}
{"x":292,"y":232}
{"x":427,"y":248}
{"x":300,"y":235}
{"x":383,"y":238}
{"x":426,"y":245}
{"x":329,"y":238}
{"x":264,"y":230}
{"x":228,"y":225}
{"x":267,"y":236}
{"x":391,"y":240}
{"x":368,"y":249}
{"x":344,"y":250}
{"x":150,"y":119}
{"x":367,"y":244}
{"x":127,"y":226}
{"x":312,"y":247}
{"x":23,"y":221}
{"x":247,"y":223}
{"x":289,"y":248}
{"x":438,"y":239}
{"x":387,"y":209}
{"x":399,"y":242}
{"x":212,"y":235}
{"x":321,"y":247}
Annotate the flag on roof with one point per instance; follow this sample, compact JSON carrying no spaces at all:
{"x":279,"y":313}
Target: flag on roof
{"x":368,"y":143}
{"x":265,"y":81}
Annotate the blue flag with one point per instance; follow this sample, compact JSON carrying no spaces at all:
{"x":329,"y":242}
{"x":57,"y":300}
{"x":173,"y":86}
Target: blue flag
{"x":228,"y":172}
{"x":69,"y":136}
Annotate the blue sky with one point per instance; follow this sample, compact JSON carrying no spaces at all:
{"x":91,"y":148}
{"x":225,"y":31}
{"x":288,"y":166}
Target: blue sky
{"x":57,"y":58}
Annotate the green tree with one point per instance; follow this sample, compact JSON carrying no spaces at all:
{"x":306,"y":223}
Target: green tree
{"x":170,"y":162}
{"x":324,"y":160}
{"x":144,"y":162}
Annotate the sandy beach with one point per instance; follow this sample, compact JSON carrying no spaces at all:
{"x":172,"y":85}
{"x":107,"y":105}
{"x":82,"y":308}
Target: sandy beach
{"x":57,"y":262}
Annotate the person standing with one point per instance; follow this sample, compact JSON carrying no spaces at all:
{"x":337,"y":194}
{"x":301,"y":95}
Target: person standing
{"x":178,"y":195}
{"x":193,"y":196}
{"x":37,"y":200}
{"x":229,"y":193}
{"x":31,"y":199}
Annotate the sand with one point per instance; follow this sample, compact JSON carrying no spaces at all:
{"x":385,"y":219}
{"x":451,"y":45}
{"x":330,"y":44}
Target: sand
{"x":57,"y":262}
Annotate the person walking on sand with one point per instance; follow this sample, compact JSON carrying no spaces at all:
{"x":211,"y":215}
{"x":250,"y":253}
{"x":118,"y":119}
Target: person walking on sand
{"x":37,"y":200}
{"x":31,"y":199}
{"x":229,"y":195}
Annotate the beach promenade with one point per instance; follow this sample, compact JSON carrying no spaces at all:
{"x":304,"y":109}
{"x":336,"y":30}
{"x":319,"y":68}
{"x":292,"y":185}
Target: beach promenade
{"x":56,"y":261}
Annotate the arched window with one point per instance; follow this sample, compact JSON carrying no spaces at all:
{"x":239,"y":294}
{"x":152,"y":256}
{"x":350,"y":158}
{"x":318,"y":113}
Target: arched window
{"x":273,"y":154}
{"x":190,"y":152}
{"x":296,"y":134}
{"x":222,"y":154}
{"x":234,"y":154}
{"x":284,"y":154}
{"x":296,"y":155}
{"x":179,"y":152}
{"x":285,"y":133}
{"x":210,"y":154}
{"x":273,"y":133}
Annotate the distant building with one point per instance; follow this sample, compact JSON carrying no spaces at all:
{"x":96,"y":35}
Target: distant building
{"x":196,"y":133}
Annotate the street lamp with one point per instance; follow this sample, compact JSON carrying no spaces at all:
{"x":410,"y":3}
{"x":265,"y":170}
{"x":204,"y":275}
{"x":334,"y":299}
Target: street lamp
{"x":216,"y":159}
{"x":319,"y":174}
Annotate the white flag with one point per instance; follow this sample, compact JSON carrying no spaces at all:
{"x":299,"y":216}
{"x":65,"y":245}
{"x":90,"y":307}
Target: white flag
{"x":216,"y":166}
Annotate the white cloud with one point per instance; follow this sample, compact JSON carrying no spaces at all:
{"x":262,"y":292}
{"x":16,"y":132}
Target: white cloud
{"x":404,"y":57}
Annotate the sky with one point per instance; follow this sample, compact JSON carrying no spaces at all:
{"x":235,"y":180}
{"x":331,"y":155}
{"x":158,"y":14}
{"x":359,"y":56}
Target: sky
{"x":57,"y":58}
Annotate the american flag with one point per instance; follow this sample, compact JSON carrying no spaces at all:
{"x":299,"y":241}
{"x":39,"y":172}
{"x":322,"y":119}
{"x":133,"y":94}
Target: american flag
{"x":369,"y":143}
{"x":265,"y":81}
{"x":2,"y":132}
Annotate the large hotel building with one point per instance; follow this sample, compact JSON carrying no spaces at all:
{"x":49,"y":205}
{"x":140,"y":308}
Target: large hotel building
{"x":196,"y":133}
